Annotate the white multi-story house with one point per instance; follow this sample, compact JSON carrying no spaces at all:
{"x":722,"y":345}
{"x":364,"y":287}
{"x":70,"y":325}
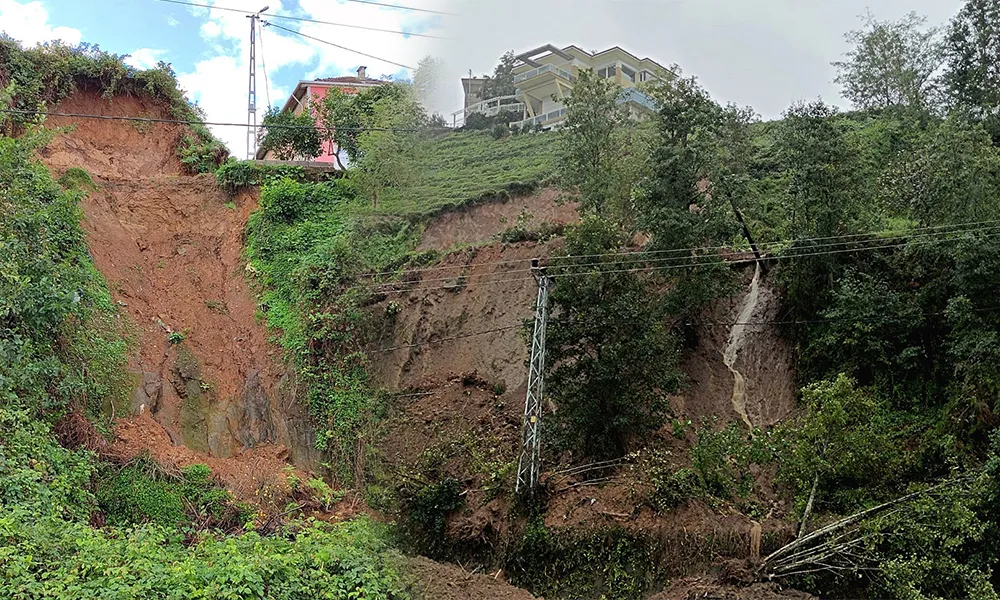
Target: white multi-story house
{"x":544,"y":78}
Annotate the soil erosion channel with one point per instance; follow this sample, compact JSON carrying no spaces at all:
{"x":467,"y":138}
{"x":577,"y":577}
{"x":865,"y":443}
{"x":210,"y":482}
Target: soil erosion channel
{"x":736,"y":339}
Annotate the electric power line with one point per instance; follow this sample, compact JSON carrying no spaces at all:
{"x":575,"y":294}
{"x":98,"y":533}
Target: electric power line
{"x":694,"y":261}
{"x":306,"y":20}
{"x":213,"y":123}
{"x":316,"y":39}
{"x":418,"y":288}
{"x":411,"y":8}
{"x":876,"y":235}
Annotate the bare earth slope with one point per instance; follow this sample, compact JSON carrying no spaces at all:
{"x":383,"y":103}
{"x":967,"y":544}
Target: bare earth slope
{"x":462,"y":394}
{"x":170,"y":249}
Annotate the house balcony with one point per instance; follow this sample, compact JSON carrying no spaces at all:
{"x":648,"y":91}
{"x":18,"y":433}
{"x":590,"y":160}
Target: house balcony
{"x":543,"y":70}
{"x":491,"y":108}
{"x":547,"y":120}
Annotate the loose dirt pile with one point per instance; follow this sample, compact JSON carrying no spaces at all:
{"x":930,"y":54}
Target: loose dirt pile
{"x":436,"y":581}
{"x":210,"y":388}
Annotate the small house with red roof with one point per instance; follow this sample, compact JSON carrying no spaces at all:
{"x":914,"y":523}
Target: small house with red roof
{"x":310,"y":93}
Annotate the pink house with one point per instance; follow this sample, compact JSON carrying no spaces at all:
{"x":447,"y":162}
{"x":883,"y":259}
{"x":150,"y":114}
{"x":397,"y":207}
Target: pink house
{"x":310,"y":93}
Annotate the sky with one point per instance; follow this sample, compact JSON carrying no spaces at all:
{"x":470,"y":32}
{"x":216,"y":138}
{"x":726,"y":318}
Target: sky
{"x":761,"y":53}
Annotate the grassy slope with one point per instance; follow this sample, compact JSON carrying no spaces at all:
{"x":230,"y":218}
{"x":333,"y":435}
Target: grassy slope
{"x":460,"y":167}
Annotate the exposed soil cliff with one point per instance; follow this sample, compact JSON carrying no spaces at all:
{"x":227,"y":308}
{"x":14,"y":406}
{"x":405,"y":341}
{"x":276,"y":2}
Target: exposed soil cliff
{"x":169,"y":246}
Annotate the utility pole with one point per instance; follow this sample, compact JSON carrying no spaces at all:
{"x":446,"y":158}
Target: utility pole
{"x":528,"y":465}
{"x":252,"y":96}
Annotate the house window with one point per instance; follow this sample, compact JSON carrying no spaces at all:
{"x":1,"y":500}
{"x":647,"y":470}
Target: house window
{"x":628,"y":73}
{"x":606,"y":72}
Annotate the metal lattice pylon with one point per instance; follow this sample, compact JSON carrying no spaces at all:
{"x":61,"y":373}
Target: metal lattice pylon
{"x":528,"y":464}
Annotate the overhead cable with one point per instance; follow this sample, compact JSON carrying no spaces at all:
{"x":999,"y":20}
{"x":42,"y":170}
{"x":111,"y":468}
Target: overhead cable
{"x":700,"y":260}
{"x":307,"y":20}
{"x":875,"y":235}
{"x":213,"y":123}
{"x":410,"y":8}
{"x":316,"y":39}
{"x":417,"y":287}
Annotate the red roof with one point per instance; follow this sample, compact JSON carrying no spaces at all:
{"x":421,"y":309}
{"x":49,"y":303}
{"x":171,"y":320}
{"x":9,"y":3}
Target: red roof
{"x":348,"y":79}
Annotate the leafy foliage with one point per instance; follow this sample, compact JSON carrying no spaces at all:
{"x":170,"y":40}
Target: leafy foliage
{"x":54,"y":558}
{"x":50,"y":290}
{"x":234,"y":175}
{"x":290,"y":136}
{"x":893,"y":64}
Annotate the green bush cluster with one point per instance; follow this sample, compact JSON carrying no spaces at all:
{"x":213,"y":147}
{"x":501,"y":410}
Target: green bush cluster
{"x":235,"y":175}
{"x":310,"y":245}
{"x":60,"y":335}
{"x":610,"y":563}
{"x":52,"y":558}
{"x":142,"y":492}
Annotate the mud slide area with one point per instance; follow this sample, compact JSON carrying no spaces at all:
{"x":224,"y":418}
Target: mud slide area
{"x":210,"y":387}
{"x":736,"y":340}
{"x":742,"y":369}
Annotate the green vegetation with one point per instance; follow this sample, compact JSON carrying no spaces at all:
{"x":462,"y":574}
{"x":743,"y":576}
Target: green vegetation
{"x":235,"y":175}
{"x":37,"y":79}
{"x":290,"y":136}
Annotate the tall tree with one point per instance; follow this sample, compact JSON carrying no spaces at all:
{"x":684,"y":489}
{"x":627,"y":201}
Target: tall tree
{"x":502,"y":81}
{"x":388,"y":144}
{"x":290,"y":136}
{"x":605,"y":154}
{"x":611,"y":360}
{"x":972,"y":47}
{"x":893,"y":63}
{"x":678,"y":206}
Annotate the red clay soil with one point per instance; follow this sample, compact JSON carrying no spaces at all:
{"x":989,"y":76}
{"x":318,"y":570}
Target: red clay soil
{"x":171,"y":251}
{"x":480,"y":223}
{"x":436,"y":581}
{"x":696,"y":588}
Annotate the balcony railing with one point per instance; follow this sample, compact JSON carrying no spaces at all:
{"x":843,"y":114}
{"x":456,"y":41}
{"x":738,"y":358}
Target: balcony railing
{"x":492,"y":107}
{"x":542,"y":70}
{"x":640,"y":98}
{"x":545,"y":119}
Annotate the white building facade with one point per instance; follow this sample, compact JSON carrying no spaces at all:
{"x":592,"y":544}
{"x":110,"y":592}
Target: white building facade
{"x":544,"y":78}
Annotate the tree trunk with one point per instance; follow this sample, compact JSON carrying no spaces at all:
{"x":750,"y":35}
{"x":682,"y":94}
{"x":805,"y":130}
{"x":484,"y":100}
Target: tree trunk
{"x":809,"y":507}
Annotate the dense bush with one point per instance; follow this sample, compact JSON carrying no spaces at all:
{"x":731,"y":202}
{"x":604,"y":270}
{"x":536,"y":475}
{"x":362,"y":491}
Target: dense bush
{"x":235,"y":175}
{"x":52,"y":558}
{"x":60,"y":336}
{"x":290,"y":136}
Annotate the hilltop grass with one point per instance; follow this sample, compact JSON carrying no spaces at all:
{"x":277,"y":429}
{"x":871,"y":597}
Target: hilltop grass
{"x":463,"y":167}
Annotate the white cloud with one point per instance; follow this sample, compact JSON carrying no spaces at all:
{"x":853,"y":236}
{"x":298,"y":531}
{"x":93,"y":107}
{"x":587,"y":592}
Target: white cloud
{"x":145,"y":58}
{"x":172,"y":21}
{"x":219,"y":82}
{"x":29,"y":23}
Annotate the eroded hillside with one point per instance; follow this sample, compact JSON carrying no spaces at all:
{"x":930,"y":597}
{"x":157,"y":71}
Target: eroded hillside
{"x":210,"y":387}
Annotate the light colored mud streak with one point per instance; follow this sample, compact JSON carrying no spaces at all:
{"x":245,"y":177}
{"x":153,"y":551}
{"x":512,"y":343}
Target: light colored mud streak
{"x":736,"y":338}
